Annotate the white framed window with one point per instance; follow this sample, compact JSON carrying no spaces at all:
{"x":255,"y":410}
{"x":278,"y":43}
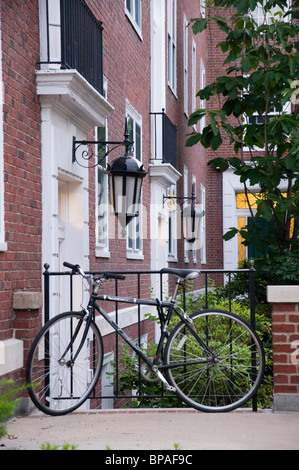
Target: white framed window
{"x":134,"y":228}
{"x":202,"y":85}
{"x":3,"y":245}
{"x":172,"y":223}
{"x":185,"y":194}
{"x":203,"y":8}
{"x":102,"y":222}
{"x":260,"y":119}
{"x":194,"y":244}
{"x":194,"y":84}
{"x":133,"y":12}
{"x":185,"y":36}
{"x":102,"y":239}
{"x":172,"y":44}
{"x":262,"y":16}
{"x":203,"y":254}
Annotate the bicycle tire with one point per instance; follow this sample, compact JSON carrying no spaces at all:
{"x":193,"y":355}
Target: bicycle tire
{"x":60,"y":388}
{"x":221,"y":381}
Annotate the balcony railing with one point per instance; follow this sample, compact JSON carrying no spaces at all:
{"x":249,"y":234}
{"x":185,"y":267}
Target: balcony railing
{"x":71,"y":38}
{"x":164,"y":139}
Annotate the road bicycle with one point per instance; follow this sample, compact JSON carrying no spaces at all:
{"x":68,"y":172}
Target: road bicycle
{"x":212,"y":359}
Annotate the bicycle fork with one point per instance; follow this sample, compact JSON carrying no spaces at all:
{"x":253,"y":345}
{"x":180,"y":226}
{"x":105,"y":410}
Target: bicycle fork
{"x":87,"y":320}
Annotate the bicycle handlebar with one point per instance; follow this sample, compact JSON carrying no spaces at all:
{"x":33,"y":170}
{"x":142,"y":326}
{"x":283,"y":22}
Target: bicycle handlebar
{"x":77,"y":269}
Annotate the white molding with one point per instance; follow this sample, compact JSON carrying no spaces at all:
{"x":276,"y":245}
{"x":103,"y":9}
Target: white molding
{"x":73,"y":97}
{"x":164,"y":174}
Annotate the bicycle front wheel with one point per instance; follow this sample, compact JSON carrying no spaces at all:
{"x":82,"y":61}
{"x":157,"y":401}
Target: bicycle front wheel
{"x":64,"y":363}
{"x":218,"y":364}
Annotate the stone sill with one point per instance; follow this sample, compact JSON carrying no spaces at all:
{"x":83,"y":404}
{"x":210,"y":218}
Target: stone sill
{"x":283,"y":294}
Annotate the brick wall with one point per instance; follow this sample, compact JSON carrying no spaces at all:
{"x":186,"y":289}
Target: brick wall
{"x":285,"y":337}
{"x":126,"y":65}
{"x":20,"y":265}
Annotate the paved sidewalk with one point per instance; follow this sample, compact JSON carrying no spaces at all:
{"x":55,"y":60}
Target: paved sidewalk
{"x":160,"y":429}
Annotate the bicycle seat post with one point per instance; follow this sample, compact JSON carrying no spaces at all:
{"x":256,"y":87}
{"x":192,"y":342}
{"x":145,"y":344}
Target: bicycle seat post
{"x":178,"y":283}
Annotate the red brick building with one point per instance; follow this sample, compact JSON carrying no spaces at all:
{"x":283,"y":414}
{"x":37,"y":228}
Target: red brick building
{"x":63,"y":80}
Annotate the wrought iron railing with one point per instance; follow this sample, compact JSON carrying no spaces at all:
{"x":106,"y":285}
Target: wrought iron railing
{"x":164,"y":139}
{"x":73,"y":40}
{"x":140,"y":282}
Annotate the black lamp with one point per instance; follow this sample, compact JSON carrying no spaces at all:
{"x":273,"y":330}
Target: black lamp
{"x":125,"y":175}
{"x":191,"y":215}
{"x":125,"y":183}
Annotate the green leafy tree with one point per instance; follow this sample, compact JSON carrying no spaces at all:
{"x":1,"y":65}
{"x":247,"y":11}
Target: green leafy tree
{"x":261,"y":72}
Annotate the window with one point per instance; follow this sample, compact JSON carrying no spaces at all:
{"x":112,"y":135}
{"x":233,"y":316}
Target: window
{"x":202,"y":85}
{"x":194,"y":244}
{"x":185,"y":189}
{"x":133,"y":12}
{"x":262,"y":16}
{"x":134,"y":229}
{"x":102,"y":239}
{"x":203,"y":8}
{"x":260,"y":120}
{"x":171,"y":44}
{"x":102,"y":243}
{"x":194,"y":85}
{"x":185,"y":34}
{"x":172,"y":223}
{"x":203,"y":224}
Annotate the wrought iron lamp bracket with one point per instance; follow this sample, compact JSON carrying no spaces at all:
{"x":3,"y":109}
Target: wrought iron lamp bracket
{"x":88,"y":154}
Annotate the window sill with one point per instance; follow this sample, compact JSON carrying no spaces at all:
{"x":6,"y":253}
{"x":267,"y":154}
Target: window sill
{"x":137,"y":256}
{"x":102,"y":253}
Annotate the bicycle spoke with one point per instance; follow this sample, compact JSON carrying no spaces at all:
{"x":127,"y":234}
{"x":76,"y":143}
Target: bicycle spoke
{"x":221,"y":380}
{"x":59,"y":382}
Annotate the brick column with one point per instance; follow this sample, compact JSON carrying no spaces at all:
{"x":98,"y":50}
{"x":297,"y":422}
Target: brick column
{"x":285,"y":340}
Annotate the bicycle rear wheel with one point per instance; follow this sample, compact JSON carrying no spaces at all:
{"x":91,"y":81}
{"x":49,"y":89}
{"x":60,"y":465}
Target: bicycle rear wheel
{"x":226,"y":373}
{"x":57,"y":384}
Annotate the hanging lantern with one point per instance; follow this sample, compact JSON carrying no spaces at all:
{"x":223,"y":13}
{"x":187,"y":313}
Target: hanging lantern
{"x":192,"y":218}
{"x":125,"y":182}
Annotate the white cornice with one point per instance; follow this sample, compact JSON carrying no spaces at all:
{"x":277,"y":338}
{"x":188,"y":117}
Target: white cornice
{"x":164,"y":173}
{"x":73,"y":97}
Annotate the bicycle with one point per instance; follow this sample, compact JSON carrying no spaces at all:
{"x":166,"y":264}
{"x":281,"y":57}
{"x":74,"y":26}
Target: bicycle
{"x":212,"y":359}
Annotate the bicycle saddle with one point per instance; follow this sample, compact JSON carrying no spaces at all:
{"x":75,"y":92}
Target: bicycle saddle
{"x":183,"y":273}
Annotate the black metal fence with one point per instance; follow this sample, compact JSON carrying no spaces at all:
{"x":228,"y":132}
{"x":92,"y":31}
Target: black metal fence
{"x":169,"y":139}
{"x":139,"y":279}
{"x":81,"y":41}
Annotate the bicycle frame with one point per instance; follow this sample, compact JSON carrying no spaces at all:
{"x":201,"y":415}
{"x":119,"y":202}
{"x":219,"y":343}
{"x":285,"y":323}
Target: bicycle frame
{"x":164,"y":319}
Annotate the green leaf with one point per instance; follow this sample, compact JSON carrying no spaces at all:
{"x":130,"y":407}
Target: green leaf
{"x":246,"y":64}
{"x":199,"y":25}
{"x":194,"y":138}
{"x":264,"y":209}
{"x":220,"y":164}
{"x":230,"y":234}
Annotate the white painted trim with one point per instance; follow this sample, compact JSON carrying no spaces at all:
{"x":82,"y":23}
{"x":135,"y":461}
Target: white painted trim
{"x":73,"y":97}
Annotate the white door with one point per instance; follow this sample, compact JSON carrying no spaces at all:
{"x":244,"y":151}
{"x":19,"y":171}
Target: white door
{"x":70,"y":239}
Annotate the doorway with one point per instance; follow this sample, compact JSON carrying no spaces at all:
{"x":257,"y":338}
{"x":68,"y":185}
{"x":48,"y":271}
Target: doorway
{"x":70,"y":239}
